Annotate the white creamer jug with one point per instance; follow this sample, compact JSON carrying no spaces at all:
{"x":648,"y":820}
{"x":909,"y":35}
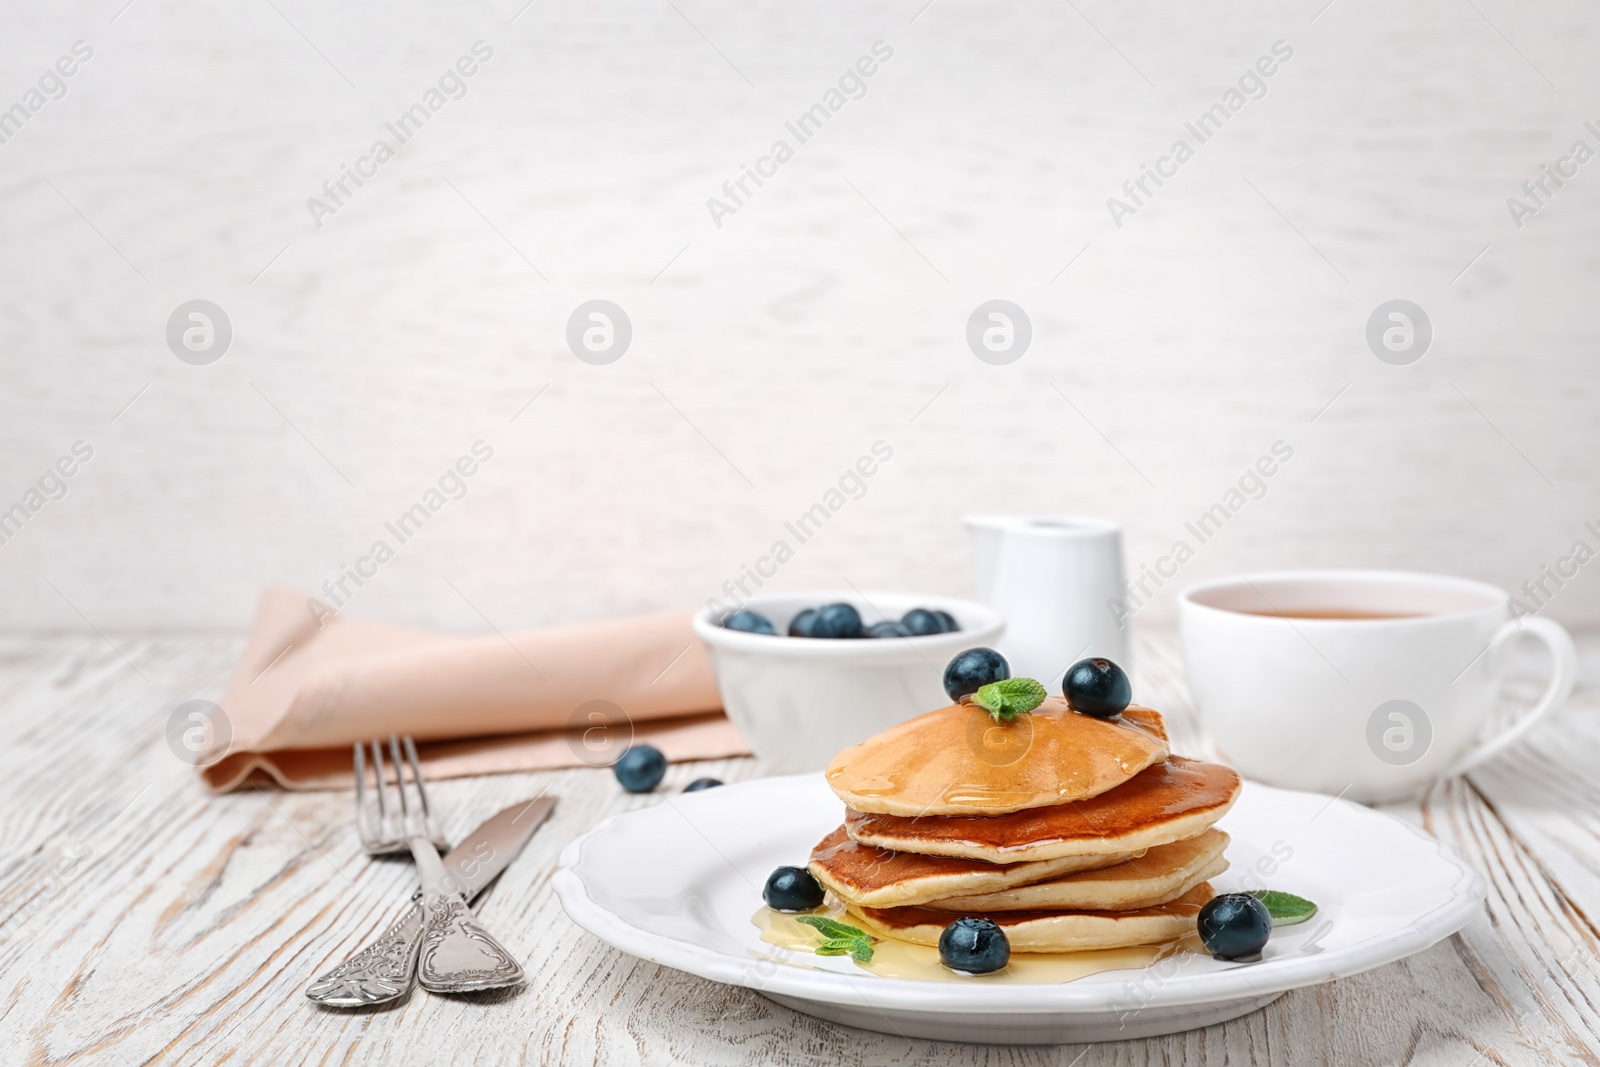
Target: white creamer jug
{"x":1051,"y":577}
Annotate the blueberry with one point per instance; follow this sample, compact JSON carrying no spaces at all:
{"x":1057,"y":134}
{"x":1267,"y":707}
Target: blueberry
{"x":792,"y":889}
{"x":749,"y":622}
{"x":800,"y":625}
{"x":972,"y":670}
{"x":949,"y":620}
{"x":921,"y":621}
{"x":976,"y":946}
{"x":1235,"y":926}
{"x":702,"y":783}
{"x":1097,"y":687}
{"x":837,"y":620}
{"x":639,"y":769}
{"x":888,"y":628}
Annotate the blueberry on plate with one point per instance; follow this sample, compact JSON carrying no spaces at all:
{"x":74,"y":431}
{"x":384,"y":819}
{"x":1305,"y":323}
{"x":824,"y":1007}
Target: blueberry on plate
{"x":974,"y":946}
{"x":888,"y":628}
{"x":1235,"y":926}
{"x":792,"y":889}
{"x":800,"y":625}
{"x":949,"y":620}
{"x":749,"y":622}
{"x":837,"y":621}
{"x":973,"y":669}
{"x":921,"y":621}
{"x":702,"y":783}
{"x":1097,"y":687}
{"x":639,"y":769}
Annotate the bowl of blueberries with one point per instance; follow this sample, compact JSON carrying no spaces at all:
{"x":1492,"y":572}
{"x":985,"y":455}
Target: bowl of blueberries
{"x":804,"y":675}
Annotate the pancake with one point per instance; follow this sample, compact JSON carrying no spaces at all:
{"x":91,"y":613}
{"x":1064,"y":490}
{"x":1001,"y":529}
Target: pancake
{"x":1169,"y":802}
{"x":959,"y":761}
{"x":863,"y":875}
{"x":1164,"y":873}
{"x":1051,"y":930}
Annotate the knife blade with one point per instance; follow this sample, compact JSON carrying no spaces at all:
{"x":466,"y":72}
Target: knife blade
{"x":490,"y":848}
{"x":386,"y":969}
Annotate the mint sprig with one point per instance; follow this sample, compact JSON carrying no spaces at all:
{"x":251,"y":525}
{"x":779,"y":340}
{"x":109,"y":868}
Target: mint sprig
{"x":1286,"y":909}
{"x":830,"y":927}
{"x":1006,"y":699}
{"x":839,"y":939}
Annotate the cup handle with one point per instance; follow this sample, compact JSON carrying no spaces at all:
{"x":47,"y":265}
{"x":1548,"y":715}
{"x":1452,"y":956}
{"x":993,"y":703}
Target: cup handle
{"x":1564,"y":673}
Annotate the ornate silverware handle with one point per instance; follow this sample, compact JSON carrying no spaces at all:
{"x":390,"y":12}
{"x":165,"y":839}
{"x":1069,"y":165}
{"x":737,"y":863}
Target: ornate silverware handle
{"x":383,"y":971}
{"x":457,"y":954}
{"x":386,"y":969}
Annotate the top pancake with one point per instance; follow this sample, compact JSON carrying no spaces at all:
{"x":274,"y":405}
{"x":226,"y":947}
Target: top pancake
{"x":960,"y":761}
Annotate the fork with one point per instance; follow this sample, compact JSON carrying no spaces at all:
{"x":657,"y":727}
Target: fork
{"x":440,"y":944}
{"x":385,"y":833}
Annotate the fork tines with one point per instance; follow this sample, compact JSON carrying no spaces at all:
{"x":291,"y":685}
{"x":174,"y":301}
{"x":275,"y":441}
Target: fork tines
{"x":389,"y":827}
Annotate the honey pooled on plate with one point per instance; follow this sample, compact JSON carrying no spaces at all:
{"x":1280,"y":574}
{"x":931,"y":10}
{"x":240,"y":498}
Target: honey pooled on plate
{"x":920,"y":963}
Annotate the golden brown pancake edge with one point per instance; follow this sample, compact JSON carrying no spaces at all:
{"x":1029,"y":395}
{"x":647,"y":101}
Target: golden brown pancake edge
{"x":864,"y":875}
{"x":1162,"y":874}
{"x":1051,"y":930}
{"x":1168,"y":802}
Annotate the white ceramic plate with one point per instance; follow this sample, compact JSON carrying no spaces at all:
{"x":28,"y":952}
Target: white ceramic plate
{"x":678,"y":883}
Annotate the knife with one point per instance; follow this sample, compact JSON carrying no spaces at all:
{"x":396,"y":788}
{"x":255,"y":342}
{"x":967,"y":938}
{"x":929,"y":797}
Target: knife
{"x":386,"y":969}
{"x":487,"y":851}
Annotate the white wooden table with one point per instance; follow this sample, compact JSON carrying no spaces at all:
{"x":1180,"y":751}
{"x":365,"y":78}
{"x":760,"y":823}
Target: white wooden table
{"x":144,"y":921}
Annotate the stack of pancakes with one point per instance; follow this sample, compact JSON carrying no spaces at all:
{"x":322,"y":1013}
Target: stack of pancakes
{"x":1070,"y":832}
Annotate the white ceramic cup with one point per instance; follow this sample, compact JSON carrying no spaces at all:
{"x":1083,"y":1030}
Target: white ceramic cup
{"x":1375,"y":709}
{"x":800,"y":700}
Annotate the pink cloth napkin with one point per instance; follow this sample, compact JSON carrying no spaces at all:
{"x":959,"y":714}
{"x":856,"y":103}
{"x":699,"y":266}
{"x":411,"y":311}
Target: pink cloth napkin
{"x":305,"y":691}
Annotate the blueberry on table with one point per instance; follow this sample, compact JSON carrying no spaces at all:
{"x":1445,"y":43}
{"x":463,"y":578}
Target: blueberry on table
{"x":749,"y":622}
{"x":1235,"y":926}
{"x":702,"y":783}
{"x":800,"y":625}
{"x":792,"y":889}
{"x":949,"y":620}
{"x":639,"y":769}
{"x":837,"y":621}
{"x":973,"y":669}
{"x":974,"y":946}
{"x":888,"y":628}
{"x":921,"y":621}
{"x":1097,"y":687}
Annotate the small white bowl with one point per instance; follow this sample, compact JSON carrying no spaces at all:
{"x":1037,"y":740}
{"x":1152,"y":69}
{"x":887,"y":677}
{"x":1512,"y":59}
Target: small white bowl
{"x":799,"y":700}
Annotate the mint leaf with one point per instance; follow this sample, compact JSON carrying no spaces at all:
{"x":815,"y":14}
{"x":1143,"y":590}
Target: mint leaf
{"x":831,"y":928}
{"x":1286,"y":909}
{"x":859,"y":948}
{"x":839,"y":938}
{"x":1010,"y":697}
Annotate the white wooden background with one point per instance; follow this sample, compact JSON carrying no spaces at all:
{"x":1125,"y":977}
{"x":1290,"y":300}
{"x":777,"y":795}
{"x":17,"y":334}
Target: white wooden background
{"x":144,"y":922}
{"x":825,"y":315}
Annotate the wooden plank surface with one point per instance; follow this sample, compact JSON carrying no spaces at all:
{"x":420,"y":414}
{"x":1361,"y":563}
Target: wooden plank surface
{"x":142,"y":921}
